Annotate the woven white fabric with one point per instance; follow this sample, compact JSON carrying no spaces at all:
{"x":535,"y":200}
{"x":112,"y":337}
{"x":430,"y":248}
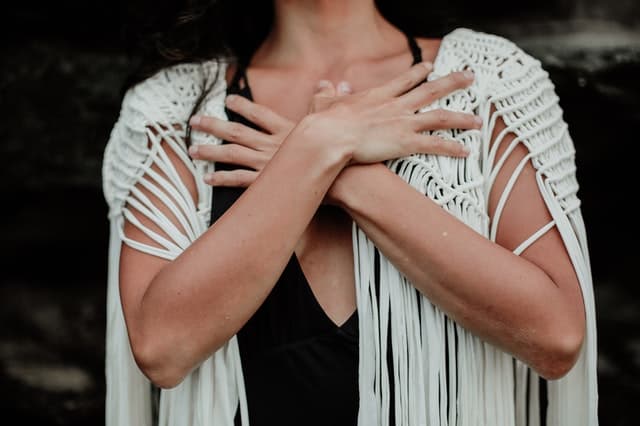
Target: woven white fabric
{"x":443,"y":375}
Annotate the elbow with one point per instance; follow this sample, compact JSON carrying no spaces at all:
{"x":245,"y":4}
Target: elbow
{"x":559,"y":355}
{"x":159,"y":366}
{"x":166,"y":361}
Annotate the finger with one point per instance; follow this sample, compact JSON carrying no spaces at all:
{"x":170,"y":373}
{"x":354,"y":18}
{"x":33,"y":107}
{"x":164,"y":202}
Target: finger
{"x":237,"y":178}
{"x":428,"y":92}
{"x":443,"y":119}
{"x":430,"y":144}
{"x":230,"y":131}
{"x":325,"y":88}
{"x":323,"y":96}
{"x":229,"y":153}
{"x":260,"y":115}
{"x":404,"y":82}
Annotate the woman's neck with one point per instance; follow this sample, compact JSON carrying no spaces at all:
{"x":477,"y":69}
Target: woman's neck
{"x":327,"y":34}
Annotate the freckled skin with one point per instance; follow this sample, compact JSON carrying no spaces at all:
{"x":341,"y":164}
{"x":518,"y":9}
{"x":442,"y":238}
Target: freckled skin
{"x":528,"y":305}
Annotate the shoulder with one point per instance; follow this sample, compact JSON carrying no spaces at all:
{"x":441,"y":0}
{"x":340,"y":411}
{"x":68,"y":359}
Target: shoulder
{"x":170,"y":94}
{"x":499,"y":63}
{"x":466,"y":41}
{"x":157,"y":109}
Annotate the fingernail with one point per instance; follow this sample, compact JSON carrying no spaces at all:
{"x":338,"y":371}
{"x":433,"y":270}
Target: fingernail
{"x":195,"y":120}
{"x":478,"y":120}
{"x":468,"y":75}
{"x":193,"y":149}
{"x":428,"y":65}
{"x":323,"y":84}
{"x":344,"y":88}
{"x":208,"y":177}
{"x":466,"y":151}
{"x":231,"y":99}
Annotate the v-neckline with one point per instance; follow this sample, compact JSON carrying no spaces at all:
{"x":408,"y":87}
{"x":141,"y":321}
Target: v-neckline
{"x":240,"y":82}
{"x":346,"y":324}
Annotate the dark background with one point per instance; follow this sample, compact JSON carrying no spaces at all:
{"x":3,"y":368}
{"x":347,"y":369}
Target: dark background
{"x":61,"y":70}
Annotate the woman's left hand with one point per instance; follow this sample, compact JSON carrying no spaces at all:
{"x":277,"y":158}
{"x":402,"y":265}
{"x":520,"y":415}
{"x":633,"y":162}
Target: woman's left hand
{"x":248,"y":147}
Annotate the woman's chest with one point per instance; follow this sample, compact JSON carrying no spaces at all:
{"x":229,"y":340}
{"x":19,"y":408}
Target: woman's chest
{"x":290,"y":93}
{"x":324,"y":250}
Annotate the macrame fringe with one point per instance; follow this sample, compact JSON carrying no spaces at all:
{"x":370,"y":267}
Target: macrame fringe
{"x":437,"y":374}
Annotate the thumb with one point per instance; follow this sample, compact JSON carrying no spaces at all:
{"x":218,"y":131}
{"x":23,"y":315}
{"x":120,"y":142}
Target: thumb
{"x":325,"y":88}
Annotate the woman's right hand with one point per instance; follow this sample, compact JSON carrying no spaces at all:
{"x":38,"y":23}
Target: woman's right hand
{"x":381,"y":124}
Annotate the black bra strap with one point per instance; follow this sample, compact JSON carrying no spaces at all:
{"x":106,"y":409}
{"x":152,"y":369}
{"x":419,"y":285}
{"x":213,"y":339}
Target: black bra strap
{"x":238,"y":75}
{"x":239,"y":83}
{"x":415,"y":49}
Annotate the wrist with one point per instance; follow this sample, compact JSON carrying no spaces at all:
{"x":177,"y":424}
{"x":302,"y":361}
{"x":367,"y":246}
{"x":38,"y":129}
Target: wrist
{"x":354,"y":181}
{"x":322,"y":131}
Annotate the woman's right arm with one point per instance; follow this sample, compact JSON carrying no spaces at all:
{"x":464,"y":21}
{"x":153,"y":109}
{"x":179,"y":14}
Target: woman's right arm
{"x":179,"y":312}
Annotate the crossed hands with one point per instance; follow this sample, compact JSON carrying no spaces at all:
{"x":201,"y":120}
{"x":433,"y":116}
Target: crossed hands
{"x":377,"y":124}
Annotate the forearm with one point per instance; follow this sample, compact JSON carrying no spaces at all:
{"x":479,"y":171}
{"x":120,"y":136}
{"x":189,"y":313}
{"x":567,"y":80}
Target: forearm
{"x":499,"y":296}
{"x":202,"y":298}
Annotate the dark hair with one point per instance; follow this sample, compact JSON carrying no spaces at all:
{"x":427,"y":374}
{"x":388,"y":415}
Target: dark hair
{"x":161,"y":34}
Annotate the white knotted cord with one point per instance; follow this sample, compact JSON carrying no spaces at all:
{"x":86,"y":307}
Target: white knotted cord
{"x":442,"y":374}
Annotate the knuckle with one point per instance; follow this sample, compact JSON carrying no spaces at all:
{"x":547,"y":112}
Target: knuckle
{"x":218,"y":178}
{"x":232,"y":154}
{"x":442,"y":116}
{"x":432,"y":92}
{"x":221,"y":178}
{"x":235,"y":131}
{"x":406,"y":82}
{"x":252,"y":115}
{"x":240,"y":180}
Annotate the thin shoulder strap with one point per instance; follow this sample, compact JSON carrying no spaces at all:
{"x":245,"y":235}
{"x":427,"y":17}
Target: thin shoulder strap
{"x":240,"y":83}
{"x":238,"y":75}
{"x":415,"y":49}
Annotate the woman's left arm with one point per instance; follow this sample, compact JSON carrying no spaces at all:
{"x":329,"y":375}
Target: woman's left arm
{"x":529,"y":305}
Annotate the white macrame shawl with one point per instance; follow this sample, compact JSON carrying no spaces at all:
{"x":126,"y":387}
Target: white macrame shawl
{"x":442,"y":374}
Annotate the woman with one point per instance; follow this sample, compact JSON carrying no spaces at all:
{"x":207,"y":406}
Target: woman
{"x":332,"y":290}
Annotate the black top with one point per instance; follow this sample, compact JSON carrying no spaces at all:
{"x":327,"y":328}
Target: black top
{"x":299,"y":367}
